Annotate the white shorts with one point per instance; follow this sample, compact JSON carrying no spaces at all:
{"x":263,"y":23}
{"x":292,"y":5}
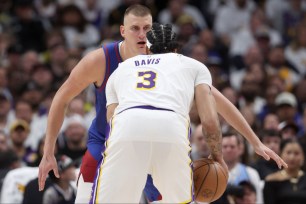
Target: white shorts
{"x":145,"y":142}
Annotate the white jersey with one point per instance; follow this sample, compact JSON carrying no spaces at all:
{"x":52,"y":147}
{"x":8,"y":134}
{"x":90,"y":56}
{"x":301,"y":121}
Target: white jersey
{"x":160,"y":80}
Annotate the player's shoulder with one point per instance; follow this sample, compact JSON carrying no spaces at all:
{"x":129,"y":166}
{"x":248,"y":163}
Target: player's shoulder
{"x":95,"y":55}
{"x":192,"y":62}
{"x":93,"y":60}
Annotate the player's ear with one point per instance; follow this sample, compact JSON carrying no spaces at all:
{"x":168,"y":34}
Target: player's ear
{"x":122,"y":31}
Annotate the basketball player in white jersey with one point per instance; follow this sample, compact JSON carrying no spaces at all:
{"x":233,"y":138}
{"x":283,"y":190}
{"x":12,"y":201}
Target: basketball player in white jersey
{"x":92,"y":70}
{"x":149,"y":132}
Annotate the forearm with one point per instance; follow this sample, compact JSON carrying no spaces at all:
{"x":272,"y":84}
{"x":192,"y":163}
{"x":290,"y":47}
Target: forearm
{"x":209,"y":119}
{"x":232,"y":115}
{"x":55,"y":121}
{"x":213,"y":137}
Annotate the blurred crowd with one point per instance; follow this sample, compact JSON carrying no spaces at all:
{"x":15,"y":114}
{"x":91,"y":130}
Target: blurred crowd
{"x":254,"y":49}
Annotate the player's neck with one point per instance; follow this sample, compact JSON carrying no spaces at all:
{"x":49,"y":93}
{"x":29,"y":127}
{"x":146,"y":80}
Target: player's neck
{"x":125,"y":52}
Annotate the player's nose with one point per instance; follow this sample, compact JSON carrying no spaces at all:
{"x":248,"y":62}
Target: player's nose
{"x":142,"y":34}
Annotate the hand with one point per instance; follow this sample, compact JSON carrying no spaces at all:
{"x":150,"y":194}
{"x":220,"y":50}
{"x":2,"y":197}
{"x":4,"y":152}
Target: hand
{"x":221,"y":161}
{"x":267,"y":153}
{"x":47,"y":164}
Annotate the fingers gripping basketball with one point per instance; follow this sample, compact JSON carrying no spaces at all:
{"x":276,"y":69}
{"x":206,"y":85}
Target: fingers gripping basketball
{"x":210,"y":180}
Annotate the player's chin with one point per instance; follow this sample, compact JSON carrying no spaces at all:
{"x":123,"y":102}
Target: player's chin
{"x":142,"y":50}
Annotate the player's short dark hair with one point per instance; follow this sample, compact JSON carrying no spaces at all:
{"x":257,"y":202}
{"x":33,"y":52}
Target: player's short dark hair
{"x":162,"y":38}
{"x":138,"y":10}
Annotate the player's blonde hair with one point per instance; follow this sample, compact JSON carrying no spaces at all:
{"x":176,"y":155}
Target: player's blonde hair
{"x":138,"y":10}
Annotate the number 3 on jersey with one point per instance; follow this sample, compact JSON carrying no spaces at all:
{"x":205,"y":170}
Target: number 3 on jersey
{"x":147,"y":80}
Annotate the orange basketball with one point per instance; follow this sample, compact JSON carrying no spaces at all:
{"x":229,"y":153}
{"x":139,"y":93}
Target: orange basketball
{"x":210,"y":180}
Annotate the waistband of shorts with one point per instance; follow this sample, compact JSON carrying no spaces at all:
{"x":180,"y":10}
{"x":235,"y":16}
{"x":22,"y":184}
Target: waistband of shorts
{"x":147,"y":108}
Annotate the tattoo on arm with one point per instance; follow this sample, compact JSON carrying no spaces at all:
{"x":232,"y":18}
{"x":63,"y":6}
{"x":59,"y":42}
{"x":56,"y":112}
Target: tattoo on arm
{"x":214,"y":141}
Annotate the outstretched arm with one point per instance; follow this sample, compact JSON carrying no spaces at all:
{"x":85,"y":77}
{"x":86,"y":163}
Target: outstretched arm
{"x":232,"y":115}
{"x":89,"y":70}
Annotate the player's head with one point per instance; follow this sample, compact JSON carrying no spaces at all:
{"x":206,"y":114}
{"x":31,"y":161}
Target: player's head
{"x":136,"y":23}
{"x":162,"y":39}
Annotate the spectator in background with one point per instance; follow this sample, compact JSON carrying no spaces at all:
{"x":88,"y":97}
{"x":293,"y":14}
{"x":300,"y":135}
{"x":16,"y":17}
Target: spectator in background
{"x":3,"y":79}
{"x":231,"y":148}
{"x":16,"y":83}
{"x":57,"y":61}
{"x":61,"y":190}
{"x":8,"y":161}
{"x":250,"y":94}
{"x":278,"y":82}
{"x":3,"y":141}
{"x":75,"y":136}
{"x":278,"y":65}
{"x":238,"y":71}
{"x":270,"y":122}
{"x":19,"y":132}
{"x":78,"y":33}
{"x":199,"y":146}
{"x":302,"y":139}
{"x":42,"y":77}
{"x":92,"y":11}
{"x":295,"y":53}
{"x":292,"y":14}
{"x":287,"y":186}
{"x":198,"y":52}
{"x":176,"y":8}
{"x":299,"y":92}
{"x":230,"y":94}
{"x":6,"y":116}
{"x":257,"y":27}
{"x":269,"y":107}
{"x":28,"y":60}
{"x":214,"y":65}
{"x":287,"y":108}
{"x":232,"y":17}
{"x":15,"y":182}
{"x":24,"y":111}
{"x":14,"y":53}
{"x":34,"y":95}
{"x":249,"y":193}
{"x":32,"y":194}
{"x":207,"y":39}
{"x":250,"y":117}
{"x":288,"y":130}
{"x":272,"y":139}
{"x":187,"y":35}
{"x":46,"y":9}
{"x":27,"y":28}
{"x":76,"y":107}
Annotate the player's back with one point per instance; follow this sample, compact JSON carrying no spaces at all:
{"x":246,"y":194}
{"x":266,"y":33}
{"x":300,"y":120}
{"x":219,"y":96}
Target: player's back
{"x":160,"y":80}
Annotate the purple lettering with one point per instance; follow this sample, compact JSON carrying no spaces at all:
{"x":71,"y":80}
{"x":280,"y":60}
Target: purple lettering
{"x":136,"y":63}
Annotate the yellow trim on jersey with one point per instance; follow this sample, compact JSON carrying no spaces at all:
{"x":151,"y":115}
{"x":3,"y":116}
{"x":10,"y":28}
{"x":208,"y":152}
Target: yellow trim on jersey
{"x":191,"y":172}
{"x":104,"y":159}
